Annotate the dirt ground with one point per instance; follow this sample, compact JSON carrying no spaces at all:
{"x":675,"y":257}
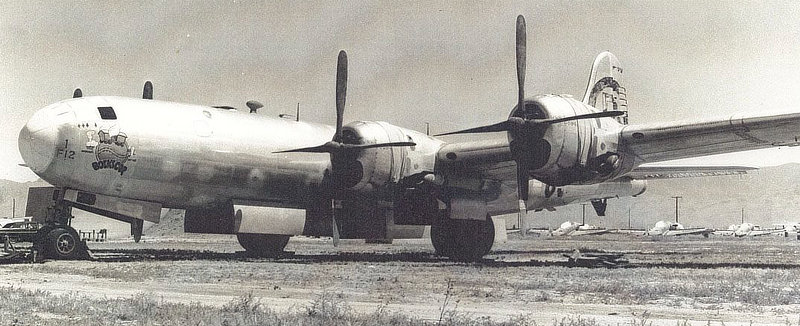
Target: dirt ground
{"x":669,"y":281}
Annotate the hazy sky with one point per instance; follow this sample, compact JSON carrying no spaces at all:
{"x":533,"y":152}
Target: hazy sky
{"x":448,"y":63}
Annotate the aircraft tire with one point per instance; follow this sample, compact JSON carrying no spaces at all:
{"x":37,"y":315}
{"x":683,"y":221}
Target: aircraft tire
{"x":62,"y":243}
{"x":462,"y":240}
{"x":440,"y":238}
{"x":263,"y":245}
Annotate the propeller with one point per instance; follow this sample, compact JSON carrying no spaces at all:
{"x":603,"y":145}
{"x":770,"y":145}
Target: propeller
{"x":77,"y":93}
{"x":526,"y":132}
{"x":336,"y":147}
{"x":147,"y":93}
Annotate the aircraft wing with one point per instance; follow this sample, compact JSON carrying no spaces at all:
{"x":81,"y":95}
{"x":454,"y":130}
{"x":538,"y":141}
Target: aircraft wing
{"x":726,"y":233}
{"x":650,"y":171}
{"x":675,"y":140}
{"x":491,"y":159}
{"x":693,"y":231}
{"x":758,"y":233}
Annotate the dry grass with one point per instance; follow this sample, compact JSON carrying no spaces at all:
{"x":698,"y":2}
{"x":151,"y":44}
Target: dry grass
{"x":669,"y":273}
{"x":21,"y":307}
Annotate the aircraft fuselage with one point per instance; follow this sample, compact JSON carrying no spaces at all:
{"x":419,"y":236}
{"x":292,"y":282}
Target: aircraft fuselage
{"x":182,"y":155}
{"x":176,"y":154}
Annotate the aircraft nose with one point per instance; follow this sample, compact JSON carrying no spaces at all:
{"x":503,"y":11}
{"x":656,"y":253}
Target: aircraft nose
{"x":37,"y":142}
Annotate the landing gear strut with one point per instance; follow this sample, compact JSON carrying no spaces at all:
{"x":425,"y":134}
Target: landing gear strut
{"x":56,"y":239}
{"x":462,"y":240}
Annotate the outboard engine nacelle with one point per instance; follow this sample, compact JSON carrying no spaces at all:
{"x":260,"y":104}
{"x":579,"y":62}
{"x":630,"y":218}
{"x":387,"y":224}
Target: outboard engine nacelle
{"x":583,"y":151}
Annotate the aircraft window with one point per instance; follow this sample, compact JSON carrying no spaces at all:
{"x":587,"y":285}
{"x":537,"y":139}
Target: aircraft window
{"x":107,"y":113}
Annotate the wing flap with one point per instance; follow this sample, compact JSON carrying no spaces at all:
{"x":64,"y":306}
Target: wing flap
{"x":645,"y":172}
{"x":675,"y":140}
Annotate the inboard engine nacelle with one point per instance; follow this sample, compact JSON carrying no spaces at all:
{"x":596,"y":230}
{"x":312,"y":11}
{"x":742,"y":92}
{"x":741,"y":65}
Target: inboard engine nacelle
{"x":370,"y":169}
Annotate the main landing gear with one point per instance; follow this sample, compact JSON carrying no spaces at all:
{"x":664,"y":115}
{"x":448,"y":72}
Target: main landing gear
{"x":462,"y":240}
{"x":263,"y":245}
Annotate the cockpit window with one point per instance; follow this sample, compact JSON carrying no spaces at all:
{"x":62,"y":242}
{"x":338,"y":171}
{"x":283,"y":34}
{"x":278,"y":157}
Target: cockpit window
{"x":107,"y":113}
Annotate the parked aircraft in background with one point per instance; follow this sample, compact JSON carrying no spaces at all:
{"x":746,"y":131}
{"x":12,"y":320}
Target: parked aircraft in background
{"x":576,"y":229}
{"x":790,"y":228}
{"x":266,"y":178}
{"x":664,"y":228}
{"x":750,"y":230}
{"x":14,"y":222}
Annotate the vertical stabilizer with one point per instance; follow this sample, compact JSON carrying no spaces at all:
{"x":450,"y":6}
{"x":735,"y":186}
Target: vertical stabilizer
{"x":605,"y":90}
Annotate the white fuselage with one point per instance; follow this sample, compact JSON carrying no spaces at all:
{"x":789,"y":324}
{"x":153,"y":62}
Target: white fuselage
{"x":176,"y":154}
{"x":183,"y":155}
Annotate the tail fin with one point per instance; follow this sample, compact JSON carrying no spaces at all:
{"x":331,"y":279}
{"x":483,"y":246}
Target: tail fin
{"x":605,"y":90}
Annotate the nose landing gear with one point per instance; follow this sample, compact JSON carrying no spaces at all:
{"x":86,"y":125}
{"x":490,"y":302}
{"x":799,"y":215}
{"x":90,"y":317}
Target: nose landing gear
{"x":59,"y":241}
{"x":56,"y":239}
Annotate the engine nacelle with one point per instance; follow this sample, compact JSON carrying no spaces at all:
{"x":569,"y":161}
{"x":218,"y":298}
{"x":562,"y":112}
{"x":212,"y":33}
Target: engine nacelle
{"x":583,"y":151}
{"x":370,"y":169}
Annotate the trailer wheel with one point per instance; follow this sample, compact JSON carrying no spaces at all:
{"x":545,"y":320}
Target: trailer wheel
{"x":62,"y":243}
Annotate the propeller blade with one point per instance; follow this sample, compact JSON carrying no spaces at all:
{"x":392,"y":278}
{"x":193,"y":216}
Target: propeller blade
{"x":603,"y":114}
{"x":77,"y":93}
{"x":335,"y":147}
{"x":147,"y":93}
{"x":522,"y":182}
{"x":324,"y":148}
{"x":335,"y":226}
{"x":521,"y":52}
{"x":365,"y":146}
{"x":522,"y":196}
{"x":500,"y":126}
{"x":341,"y":92}
{"x":521,"y":215}
{"x":522,"y":171}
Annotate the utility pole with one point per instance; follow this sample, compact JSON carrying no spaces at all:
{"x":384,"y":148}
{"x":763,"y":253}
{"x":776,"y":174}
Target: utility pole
{"x":428,"y":129}
{"x":13,"y":207}
{"x":742,"y":215}
{"x":629,"y":217}
{"x":676,"y":207}
{"x":583,"y":221}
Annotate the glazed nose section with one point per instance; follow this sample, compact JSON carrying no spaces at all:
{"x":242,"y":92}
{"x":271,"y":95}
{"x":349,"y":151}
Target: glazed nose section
{"x":37,"y":142}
